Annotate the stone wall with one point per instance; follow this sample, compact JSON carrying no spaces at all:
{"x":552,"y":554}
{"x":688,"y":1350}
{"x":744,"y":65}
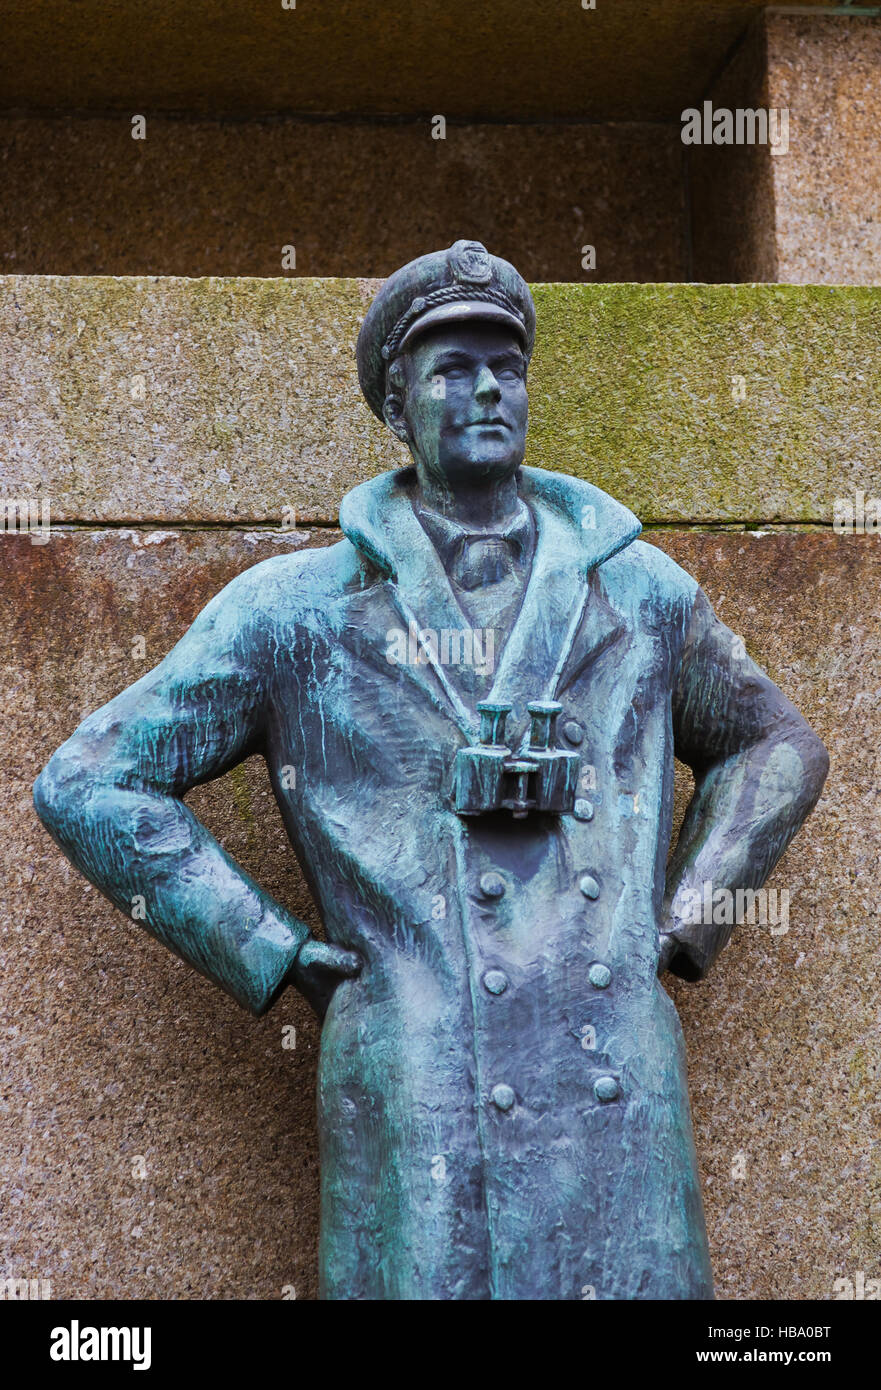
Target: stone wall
{"x":271,"y":129}
{"x":157,"y":1141}
{"x":811,"y":215}
{"x":209,"y":197}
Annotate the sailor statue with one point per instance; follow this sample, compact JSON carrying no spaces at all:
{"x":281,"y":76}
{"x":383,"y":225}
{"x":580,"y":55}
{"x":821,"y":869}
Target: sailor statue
{"x":482,"y":688}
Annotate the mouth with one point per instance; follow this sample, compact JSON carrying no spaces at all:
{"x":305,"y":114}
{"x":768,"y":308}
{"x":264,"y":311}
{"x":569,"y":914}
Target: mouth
{"x":494,"y":424}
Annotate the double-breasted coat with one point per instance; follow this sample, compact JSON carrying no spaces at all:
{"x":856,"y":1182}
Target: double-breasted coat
{"x":502,"y":1092}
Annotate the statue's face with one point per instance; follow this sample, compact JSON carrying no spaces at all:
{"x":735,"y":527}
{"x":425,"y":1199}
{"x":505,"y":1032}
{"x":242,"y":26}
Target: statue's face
{"x":465,"y":407}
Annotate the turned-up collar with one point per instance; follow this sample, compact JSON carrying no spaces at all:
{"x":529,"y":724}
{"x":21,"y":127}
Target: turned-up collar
{"x":563,"y":621}
{"x":378,"y":518}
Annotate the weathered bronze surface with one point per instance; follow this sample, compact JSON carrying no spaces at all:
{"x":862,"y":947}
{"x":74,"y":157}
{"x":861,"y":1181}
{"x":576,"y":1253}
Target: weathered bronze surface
{"x":469,"y":709}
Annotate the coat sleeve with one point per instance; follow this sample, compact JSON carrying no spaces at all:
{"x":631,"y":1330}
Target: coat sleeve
{"x":759,"y":769}
{"x":111,"y":798}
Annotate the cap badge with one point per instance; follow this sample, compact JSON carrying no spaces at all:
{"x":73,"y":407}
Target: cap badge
{"x":470,"y":263}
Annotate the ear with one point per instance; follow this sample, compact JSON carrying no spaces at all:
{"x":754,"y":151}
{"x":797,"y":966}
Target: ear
{"x":393,"y":414}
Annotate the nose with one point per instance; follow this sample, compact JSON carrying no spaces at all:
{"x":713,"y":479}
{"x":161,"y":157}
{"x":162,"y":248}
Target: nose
{"x":486,"y":388}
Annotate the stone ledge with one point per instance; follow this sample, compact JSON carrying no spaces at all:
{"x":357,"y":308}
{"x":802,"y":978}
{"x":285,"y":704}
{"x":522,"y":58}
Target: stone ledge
{"x":625,"y":60}
{"x":227,"y":400}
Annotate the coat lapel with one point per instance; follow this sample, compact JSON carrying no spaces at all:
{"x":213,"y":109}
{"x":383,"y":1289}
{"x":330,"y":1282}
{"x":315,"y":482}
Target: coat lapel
{"x":378,"y":518}
{"x":564,"y":620}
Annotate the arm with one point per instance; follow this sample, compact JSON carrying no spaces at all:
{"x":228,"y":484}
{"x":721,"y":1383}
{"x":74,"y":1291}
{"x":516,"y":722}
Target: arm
{"x":111,"y":798}
{"x":759,"y":769}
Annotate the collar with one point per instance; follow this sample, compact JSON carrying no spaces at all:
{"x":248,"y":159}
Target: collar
{"x":577,"y":528}
{"x":378,"y":518}
{"x":449,"y":536}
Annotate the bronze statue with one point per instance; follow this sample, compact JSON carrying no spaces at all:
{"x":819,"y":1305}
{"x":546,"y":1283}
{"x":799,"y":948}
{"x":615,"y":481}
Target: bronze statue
{"x":480,"y":691}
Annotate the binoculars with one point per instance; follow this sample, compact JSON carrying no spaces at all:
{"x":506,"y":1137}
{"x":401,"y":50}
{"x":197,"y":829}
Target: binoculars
{"x":489,"y":777}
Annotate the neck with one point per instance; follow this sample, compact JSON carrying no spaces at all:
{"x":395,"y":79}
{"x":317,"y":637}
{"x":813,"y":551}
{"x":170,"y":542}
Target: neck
{"x":483,"y":506}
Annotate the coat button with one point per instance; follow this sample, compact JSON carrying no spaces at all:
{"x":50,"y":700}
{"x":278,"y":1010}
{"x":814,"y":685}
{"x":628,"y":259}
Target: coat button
{"x":492,"y":885}
{"x":583,"y":810}
{"x":599,"y":975}
{"x":606,"y":1088}
{"x":573,"y":731}
{"x":496,"y":981}
{"x":589,"y":886}
{"x":503,"y":1097}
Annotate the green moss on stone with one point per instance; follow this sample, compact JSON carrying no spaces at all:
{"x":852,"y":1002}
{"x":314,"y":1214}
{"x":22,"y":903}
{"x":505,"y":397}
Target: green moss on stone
{"x":251,"y":399}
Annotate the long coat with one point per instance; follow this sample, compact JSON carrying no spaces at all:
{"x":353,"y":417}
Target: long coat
{"x":502,"y":1091}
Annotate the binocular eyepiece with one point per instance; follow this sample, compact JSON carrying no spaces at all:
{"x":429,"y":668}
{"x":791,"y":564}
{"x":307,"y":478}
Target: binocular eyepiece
{"x":542,"y":778}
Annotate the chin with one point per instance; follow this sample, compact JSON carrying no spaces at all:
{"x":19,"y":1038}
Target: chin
{"x":485,"y":465}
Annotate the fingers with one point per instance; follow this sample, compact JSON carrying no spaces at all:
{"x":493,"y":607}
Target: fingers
{"x":329,"y":957}
{"x":668,"y":946}
{"x":346,"y":962}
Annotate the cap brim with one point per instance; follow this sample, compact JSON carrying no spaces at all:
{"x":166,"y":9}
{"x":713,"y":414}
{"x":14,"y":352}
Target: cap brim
{"x":464,"y":311}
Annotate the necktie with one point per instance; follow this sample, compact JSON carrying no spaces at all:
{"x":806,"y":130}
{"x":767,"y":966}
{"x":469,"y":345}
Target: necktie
{"x":482,"y":560}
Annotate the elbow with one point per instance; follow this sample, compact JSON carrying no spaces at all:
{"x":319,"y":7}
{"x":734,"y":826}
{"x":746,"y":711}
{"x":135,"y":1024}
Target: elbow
{"x":821,"y":764}
{"x":45,"y":793}
{"x":815,"y":761}
{"x":57,"y":791}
